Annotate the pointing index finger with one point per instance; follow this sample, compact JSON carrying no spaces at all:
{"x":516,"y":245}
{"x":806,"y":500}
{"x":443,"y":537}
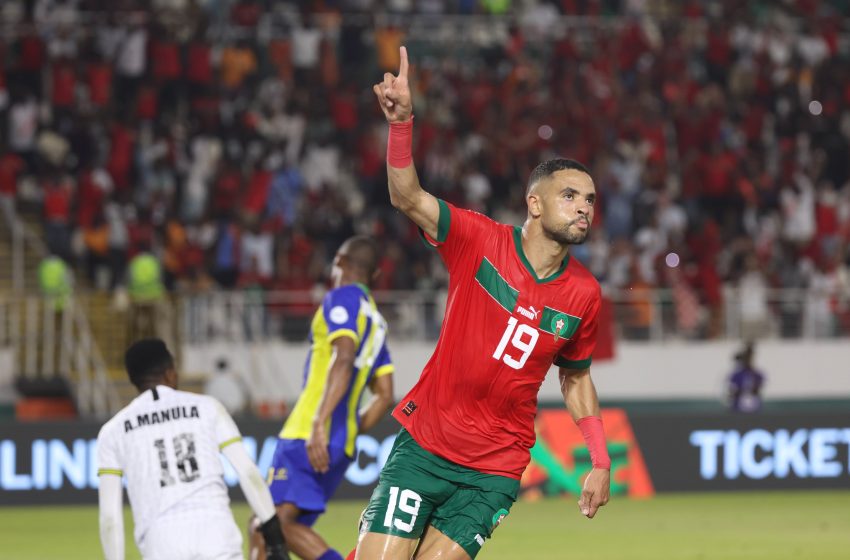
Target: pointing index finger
{"x":402,"y":69}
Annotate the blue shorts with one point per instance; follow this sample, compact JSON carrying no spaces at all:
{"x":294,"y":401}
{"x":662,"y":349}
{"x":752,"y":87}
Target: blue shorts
{"x":293,"y":480}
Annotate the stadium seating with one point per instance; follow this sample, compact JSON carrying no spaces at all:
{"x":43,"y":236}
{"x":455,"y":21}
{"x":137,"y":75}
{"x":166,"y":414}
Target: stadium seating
{"x":239,"y":142}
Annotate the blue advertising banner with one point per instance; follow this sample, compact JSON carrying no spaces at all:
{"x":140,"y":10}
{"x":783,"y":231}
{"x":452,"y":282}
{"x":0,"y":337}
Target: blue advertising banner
{"x":55,"y":463}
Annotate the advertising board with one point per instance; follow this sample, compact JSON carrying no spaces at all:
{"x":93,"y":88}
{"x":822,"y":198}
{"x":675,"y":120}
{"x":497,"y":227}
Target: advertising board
{"x":53,"y":463}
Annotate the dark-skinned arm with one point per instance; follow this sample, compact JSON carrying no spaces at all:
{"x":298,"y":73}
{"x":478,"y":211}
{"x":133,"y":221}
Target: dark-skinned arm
{"x":382,"y":399}
{"x":340,"y":370}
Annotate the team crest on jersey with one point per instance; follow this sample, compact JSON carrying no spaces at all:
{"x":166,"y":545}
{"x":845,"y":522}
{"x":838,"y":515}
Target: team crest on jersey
{"x":559,"y":325}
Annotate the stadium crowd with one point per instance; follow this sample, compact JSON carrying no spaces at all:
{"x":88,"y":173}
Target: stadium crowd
{"x":239,"y":142}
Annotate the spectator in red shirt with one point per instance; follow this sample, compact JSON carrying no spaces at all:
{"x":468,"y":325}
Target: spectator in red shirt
{"x":227,"y":187}
{"x":343,"y":106}
{"x":11,"y":167}
{"x":64,"y":82}
{"x":31,"y":59}
{"x":257,"y":193}
{"x":246,"y":13}
{"x":94,"y":184}
{"x":199,"y":69}
{"x":99,"y":81}
{"x":165,"y":58}
{"x":280,"y":56}
{"x":167,"y":69}
{"x":140,"y":233}
{"x":147,"y":106}
{"x":58,"y":193}
{"x":718,"y":52}
{"x":120,"y":155}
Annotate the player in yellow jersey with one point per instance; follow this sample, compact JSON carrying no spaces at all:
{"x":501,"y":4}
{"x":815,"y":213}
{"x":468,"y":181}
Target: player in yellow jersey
{"x":348,"y":351}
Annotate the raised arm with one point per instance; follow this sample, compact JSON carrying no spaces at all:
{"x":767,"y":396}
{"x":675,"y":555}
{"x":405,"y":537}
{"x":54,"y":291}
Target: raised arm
{"x":406,"y":193}
{"x":583,"y":403}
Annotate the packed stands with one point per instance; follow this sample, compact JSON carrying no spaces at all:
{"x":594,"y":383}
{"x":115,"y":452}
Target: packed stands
{"x":240,"y":143}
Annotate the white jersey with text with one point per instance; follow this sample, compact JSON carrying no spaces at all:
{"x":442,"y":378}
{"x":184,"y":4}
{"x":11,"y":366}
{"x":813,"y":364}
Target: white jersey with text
{"x":167,"y":445}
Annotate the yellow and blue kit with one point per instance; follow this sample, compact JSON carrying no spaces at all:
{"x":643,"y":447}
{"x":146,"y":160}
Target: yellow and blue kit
{"x":348,"y":311}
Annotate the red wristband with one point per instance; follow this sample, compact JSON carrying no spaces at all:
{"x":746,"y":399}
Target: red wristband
{"x":594,"y":436}
{"x":400,"y":144}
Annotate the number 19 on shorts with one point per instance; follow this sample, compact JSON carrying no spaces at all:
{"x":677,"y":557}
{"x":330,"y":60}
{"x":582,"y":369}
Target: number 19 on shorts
{"x":522,"y":337}
{"x":407,"y":502}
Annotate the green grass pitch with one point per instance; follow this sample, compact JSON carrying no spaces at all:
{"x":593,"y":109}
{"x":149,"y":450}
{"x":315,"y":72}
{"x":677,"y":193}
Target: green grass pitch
{"x":722,"y":526}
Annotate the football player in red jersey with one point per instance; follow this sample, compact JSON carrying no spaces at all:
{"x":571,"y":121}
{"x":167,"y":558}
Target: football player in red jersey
{"x":517,"y":304}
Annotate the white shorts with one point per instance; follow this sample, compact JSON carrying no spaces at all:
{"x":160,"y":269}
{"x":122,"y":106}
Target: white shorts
{"x":192,"y":538}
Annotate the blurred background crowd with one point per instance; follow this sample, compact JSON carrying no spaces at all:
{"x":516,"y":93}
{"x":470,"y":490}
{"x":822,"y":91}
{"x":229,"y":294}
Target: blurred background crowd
{"x":239,"y":142}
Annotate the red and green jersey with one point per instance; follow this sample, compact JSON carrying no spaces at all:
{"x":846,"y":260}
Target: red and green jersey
{"x":504,"y":327}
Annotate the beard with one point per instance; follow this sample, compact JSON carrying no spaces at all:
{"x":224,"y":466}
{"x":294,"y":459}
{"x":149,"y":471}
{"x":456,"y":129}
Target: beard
{"x":566,"y":236}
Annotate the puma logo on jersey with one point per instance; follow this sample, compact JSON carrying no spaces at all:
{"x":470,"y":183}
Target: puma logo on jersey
{"x":529,"y":314}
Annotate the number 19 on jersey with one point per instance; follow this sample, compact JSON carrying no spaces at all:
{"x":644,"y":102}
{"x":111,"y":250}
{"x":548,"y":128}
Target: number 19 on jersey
{"x":522,"y":337}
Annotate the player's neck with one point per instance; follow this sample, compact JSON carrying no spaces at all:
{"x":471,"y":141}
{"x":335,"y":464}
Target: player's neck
{"x":149,"y":386}
{"x":546,"y":256}
{"x":353,"y":279}
{"x":152,"y":384}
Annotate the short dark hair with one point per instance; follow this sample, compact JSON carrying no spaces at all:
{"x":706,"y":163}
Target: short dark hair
{"x":548,"y":167}
{"x":147,"y":360}
{"x":362,"y":253}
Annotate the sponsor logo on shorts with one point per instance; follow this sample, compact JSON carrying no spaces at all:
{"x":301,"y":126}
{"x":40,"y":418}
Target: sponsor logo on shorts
{"x":479,"y":539}
{"x":276,"y":474}
{"x":498,"y":517}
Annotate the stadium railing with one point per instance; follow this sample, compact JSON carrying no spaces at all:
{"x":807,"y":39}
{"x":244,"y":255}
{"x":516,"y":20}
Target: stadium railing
{"x":84,"y":341}
{"x":47,"y":339}
{"x":47,"y":343}
{"x":652,"y":316}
